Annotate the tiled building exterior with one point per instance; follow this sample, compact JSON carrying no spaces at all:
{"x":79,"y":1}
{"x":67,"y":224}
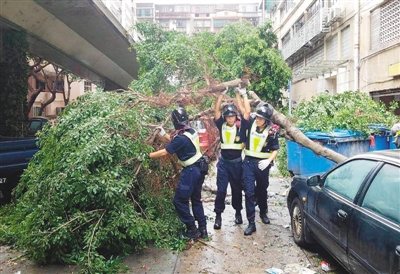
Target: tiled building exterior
{"x":336,"y":45}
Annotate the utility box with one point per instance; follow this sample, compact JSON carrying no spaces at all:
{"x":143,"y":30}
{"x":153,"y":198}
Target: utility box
{"x":303,"y":161}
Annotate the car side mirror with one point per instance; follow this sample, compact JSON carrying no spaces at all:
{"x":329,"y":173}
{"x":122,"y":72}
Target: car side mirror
{"x":314,"y":180}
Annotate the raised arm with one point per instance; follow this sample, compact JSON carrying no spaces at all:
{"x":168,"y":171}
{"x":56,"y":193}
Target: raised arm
{"x":244,"y":103}
{"x":217,"y":107}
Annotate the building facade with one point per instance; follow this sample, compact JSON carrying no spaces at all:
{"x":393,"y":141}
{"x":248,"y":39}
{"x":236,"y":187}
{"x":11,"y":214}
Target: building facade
{"x":335,"y":46}
{"x":192,"y":18}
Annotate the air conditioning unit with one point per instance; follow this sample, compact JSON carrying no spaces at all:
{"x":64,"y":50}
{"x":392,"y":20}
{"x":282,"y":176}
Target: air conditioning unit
{"x":174,"y":22}
{"x":335,"y":14}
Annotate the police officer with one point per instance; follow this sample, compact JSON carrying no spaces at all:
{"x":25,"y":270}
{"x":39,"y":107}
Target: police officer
{"x":185,"y":143}
{"x":261,"y":149}
{"x":229,"y":166}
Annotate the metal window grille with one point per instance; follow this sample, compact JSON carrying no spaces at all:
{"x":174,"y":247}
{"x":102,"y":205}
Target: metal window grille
{"x":390,"y":23}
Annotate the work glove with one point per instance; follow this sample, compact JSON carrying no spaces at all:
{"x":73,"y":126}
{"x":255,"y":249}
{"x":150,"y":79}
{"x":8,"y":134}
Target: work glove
{"x":162,"y":131}
{"x":225,"y":91}
{"x":242,"y":91}
{"x":263,"y":164}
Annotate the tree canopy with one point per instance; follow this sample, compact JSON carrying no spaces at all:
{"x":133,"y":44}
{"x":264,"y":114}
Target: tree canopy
{"x":239,"y":50}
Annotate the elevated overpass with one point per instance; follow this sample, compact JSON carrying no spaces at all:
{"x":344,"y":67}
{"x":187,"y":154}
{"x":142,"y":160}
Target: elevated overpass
{"x":81,"y":36}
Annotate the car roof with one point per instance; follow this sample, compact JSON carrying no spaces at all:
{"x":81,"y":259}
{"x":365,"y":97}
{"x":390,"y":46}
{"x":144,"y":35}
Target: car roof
{"x":388,"y":155}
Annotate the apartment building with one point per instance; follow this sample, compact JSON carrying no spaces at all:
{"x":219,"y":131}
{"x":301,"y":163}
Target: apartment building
{"x":334,"y":46}
{"x":191,"y":18}
{"x":78,"y":88}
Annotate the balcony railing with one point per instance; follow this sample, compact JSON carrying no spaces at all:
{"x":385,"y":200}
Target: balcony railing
{"x":172,"y":15}
{"x":311,"y":30}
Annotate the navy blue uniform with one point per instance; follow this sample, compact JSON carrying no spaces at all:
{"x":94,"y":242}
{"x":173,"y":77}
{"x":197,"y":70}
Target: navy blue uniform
{"x":190,"y":182}
{"x":229,"y":170}
{"x":252,"y":173}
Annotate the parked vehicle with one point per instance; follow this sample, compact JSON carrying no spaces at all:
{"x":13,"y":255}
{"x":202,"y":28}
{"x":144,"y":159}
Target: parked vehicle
{"x":15,"y":154}
{"x":36,"y":124}
{"x":353,"y":211}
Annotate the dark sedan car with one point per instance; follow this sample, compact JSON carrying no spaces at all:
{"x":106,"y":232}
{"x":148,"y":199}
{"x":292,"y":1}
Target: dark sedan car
{"x":353,"y":211}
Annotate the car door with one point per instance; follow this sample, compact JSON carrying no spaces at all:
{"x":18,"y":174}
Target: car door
{"x":334,"y":204}
{"x":374,"y":231}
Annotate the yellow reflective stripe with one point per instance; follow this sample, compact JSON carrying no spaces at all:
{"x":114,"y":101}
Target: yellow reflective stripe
{"x":231,"y":146}
{"x":228,"y":133}
{"x":257,"y":140}
{"x":194,"y":138}
{"x":191,"y":160}
{"x":261,"y":155}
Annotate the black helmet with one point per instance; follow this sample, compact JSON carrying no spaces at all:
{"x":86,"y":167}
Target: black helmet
{"x":229,"y":110}
{"x":264,"y":110}
{"x":179,"y":117}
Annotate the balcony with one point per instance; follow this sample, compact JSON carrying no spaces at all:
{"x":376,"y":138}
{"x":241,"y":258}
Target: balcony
{"x":312,"y":30}
{"x":172,"y":15}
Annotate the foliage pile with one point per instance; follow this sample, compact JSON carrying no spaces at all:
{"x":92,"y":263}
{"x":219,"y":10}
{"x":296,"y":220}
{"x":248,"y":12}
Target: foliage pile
{"x":350,"y":110}
{"x":87,"y":196}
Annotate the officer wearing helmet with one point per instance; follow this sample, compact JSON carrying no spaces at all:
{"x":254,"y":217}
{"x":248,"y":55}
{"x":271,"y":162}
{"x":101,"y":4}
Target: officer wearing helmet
{"x":229,"y":166}
{"x":261,"y":150}
{"x":185,"y":144}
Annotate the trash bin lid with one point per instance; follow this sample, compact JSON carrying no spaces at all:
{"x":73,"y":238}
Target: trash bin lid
{"x":337,"y":135}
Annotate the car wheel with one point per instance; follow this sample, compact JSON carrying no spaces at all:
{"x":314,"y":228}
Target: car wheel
{"x":297,"y":222}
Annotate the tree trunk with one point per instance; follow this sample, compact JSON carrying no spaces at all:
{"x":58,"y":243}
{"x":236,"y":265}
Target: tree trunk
{"x":299,"y":137}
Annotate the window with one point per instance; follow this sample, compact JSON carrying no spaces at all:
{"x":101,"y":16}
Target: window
{"x":202,"y":9}
{"x":39,"y":85}
{"x":299,"y":24}
{"x":220,"y":23}
{"x":181,"y":24}
{"x":332,"y":48}
{"x":59,"y":110}
{"x":383,"y":194}
{"x":346,"y":47}
{"x":202,"y":24}
{"x":60,"y":86}
{"x":385,"y":24}
{"x":144,"y":12}
{"x":36,"y":111}
{"x":347,"y":179}
{"x":286,"y":38}
{"x":87,"y":86}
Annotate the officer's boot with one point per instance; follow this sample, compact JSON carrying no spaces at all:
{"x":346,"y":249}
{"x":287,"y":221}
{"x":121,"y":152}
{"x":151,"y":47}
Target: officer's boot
{"x":192,"y":233}
{"x":238,"y":217}
{"x":250,"y":229}
{"x":264,"y":218}
{"x":203,"y":232}
{"x":218,"y":221}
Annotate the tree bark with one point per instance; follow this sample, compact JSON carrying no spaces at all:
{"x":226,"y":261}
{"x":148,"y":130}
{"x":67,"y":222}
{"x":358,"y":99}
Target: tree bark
{"x":299,"y":137}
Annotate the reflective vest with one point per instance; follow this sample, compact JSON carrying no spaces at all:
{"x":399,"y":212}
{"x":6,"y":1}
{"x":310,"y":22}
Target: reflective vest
{"x":256,"y":143}
{"x":229,"y":135}
{"x":194,"y":138}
